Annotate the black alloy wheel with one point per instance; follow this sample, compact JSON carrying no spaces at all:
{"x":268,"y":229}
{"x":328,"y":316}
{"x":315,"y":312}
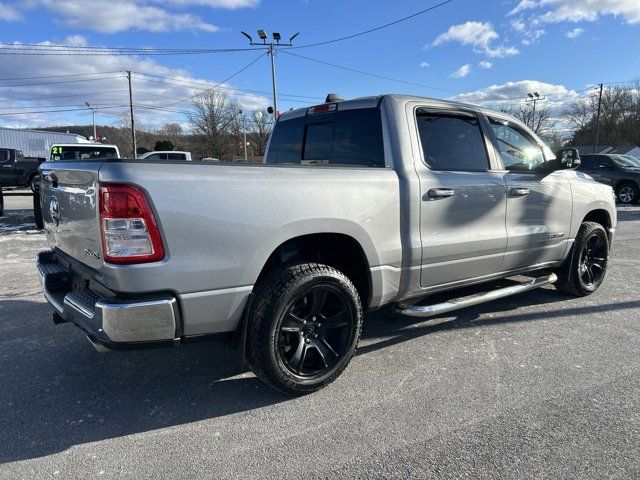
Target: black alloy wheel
{"x":303,"y":327}
{"x":315,"y":331}
{"x":593,"y":260}
{"x":585,"y":267}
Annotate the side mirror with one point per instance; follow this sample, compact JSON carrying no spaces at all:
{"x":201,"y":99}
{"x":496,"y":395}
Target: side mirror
{"x":568,"y":158}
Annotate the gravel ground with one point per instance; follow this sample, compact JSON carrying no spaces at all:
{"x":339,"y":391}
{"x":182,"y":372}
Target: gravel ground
{"x":539,"y":385}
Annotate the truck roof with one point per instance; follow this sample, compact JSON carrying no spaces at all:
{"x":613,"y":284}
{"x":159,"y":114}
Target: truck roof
{"x":373,"y":101}
{"x":84,"y":145}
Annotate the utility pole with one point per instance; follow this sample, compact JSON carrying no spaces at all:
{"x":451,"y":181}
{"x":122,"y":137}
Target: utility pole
{"x":133,"y":123}
{"x":595,"y":146}
{"x":271,"y":49}
{"x":93,"y":115}
{"x":242,"y":123}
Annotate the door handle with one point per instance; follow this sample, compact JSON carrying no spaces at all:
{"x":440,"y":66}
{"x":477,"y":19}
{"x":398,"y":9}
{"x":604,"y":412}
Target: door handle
{"x":439,"y":193}
{"x":519,"y":192}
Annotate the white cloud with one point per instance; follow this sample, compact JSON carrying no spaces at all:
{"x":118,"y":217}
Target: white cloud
{"x":122,"y":15}
{"x":480,"y":36}
{"x":552,"y":11}
{"x":532,"y":36}
{"x":9,"y":13}
{"x":485,"y":64}
{"x":462,"y":72}
{"x":425,"y":65}
{"x":517,"y":91}
{"x":128,"y":15}
{"x":102,"y":91}
{"x":229,"y":4}
{"x":575,"y":33}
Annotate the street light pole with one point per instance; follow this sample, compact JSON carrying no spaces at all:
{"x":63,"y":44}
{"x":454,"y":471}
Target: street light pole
{"x":273,"y":78}
{"x":271,"y":50}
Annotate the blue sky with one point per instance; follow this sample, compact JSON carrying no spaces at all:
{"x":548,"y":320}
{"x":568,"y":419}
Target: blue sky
{"x":481,"y":51}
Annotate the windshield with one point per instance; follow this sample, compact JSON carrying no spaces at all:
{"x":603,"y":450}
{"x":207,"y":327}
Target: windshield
{"x":625,"y":161}
{"x":82,"y":152}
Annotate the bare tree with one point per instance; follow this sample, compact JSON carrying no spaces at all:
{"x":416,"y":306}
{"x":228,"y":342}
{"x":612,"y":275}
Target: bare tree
{"x":619,"y":117}
{"x":260,"y":128}
{"x":215,"y":121}
{"x":542,"y":124}
{"x":172,"y":132}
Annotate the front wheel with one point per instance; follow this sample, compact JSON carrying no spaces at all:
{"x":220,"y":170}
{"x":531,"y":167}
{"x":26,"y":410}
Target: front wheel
{"x":584,"y":269}
{"x":304,"y":327}
{"x":628,"y":193}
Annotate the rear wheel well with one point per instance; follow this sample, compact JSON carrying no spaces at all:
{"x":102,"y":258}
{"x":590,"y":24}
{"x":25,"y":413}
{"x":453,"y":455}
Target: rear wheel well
{"x":339,"y":251}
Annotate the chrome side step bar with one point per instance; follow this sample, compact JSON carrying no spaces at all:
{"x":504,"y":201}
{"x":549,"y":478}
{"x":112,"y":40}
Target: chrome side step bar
{"x":455,"y":304}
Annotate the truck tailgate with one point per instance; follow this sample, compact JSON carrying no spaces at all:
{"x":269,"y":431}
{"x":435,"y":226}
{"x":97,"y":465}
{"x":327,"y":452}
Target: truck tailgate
{"x":69,"y":199}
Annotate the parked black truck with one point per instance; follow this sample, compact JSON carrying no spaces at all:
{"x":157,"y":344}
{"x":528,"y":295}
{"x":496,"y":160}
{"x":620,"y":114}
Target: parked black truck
{"x":16,"y":170}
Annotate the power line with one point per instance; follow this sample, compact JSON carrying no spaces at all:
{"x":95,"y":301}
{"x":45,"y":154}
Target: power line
{"x":40,"y":49}
{"x":232,"y":90}
{"x":188,"y":82}
{"x":57,"y":83}
{"x":59,"y":76}
{"x":89,"y":94}
{"x":58,"y":111}
{"x":362,"y":72}
{"x":220,"y":83}
{"x":347,"y":37}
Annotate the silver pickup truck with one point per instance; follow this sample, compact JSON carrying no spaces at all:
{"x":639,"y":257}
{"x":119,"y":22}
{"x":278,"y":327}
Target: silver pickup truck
{"x":358,"y":204}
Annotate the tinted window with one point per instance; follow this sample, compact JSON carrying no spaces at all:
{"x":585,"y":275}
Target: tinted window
{"x":349,"y":137}
{"x":81,"y":153}
{"x":4,"y":155}
{"x":452,"y":142}
{"x":286,"y":142}
{"x":623,"y":161}
{"x":518,"y":149}
{"x":177,"y":156}
{"x":587,"y":162}
{"x":318,"y":142}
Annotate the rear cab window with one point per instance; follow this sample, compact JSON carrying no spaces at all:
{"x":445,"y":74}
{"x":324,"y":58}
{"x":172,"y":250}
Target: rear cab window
{"x":351,"y":137}
{"x":81,"y":152}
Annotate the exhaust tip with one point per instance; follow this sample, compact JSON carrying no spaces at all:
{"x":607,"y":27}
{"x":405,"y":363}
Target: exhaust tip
{"x":100,"y":348}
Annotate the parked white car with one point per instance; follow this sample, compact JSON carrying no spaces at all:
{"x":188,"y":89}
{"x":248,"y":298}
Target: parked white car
{"x":184,"y":156}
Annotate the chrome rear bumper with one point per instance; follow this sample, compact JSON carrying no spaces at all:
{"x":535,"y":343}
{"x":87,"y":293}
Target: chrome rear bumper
{"x":115,"y":322}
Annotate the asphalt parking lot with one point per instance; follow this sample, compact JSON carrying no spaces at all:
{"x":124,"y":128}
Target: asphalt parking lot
{"x":539,"y":385}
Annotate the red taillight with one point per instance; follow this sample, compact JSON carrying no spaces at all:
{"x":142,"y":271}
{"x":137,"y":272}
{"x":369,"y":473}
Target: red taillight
{"x":129,"y":230}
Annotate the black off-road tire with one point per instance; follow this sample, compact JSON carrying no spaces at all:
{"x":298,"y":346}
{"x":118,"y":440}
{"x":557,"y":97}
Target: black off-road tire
{"x":37,"y":209}
{"x":33,"y":181}
{"x":273,"y":297}
{"x":628,"y":193}
{"x":570,"y":280}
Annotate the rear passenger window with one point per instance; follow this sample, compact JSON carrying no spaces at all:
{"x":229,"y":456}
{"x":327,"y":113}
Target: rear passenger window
{"x":318,"y":142}
{"x":348,"y":137}
{"x":176,"y":156}
{"x":452,"y":142}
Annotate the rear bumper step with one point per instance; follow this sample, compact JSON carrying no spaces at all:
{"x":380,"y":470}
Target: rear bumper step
{"x":458,"y":303}
{"x":112,"y":322}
